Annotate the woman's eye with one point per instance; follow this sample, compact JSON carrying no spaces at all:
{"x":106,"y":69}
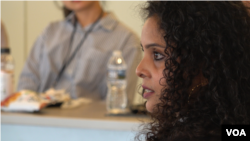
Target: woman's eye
{"x":158,"y":56}
{"x":142,"y":49}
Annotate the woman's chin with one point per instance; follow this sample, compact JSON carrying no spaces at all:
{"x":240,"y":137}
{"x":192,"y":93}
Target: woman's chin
{"x":150,"y":106}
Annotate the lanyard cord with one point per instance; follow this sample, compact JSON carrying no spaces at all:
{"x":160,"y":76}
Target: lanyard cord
{"x":67,"y":62}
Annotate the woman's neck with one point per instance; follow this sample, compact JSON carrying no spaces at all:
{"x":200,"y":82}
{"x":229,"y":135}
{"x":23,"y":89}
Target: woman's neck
{"x":88,"y":16}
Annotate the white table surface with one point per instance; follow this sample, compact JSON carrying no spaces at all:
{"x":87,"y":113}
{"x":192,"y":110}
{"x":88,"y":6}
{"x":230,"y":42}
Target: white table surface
{"x":90,"y":116}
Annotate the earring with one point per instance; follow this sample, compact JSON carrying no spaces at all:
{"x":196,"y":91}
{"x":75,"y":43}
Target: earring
{"x":201,"y":84}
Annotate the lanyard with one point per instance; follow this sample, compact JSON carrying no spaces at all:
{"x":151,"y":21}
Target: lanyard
{"x":67,"y":62}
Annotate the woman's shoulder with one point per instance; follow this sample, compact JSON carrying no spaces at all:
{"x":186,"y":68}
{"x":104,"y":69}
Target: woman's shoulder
{"x":56,"y":28}
{"x":126,"y":30}
{"x":117,"y":26}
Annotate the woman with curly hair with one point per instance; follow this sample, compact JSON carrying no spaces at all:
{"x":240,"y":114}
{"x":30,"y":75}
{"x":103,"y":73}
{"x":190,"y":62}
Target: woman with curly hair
{"x":195,"y":69}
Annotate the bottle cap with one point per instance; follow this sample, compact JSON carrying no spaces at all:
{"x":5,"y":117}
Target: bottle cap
{"x":117,"y":52}
{"x":5,"y":50}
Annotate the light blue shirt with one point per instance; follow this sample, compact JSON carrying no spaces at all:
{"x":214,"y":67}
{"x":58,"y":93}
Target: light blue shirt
{"x":85,"y":76}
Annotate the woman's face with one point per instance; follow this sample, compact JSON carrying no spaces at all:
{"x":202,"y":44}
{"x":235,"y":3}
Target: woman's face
{"x":152,"y":64}
{"x":78,"y":5}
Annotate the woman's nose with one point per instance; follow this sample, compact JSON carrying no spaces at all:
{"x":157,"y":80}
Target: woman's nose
{"x":141,"y":70}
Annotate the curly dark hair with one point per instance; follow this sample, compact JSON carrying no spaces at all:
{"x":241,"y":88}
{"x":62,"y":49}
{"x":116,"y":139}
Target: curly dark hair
{"x":212,"y":38}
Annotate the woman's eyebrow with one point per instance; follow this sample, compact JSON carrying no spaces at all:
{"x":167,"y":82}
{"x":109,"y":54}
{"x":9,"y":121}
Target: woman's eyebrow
{"x":153,"y":45}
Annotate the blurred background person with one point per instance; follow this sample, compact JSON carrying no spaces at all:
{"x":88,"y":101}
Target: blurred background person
{"x":4,"y":37}
{"x":73,"y":54}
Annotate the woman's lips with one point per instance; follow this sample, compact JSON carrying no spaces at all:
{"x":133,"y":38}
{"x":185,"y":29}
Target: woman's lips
{"x":147,"y":92}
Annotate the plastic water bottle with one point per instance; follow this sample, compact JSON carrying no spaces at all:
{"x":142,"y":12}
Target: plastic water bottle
{"x":7,"y":73}
{"x":116,"y":100}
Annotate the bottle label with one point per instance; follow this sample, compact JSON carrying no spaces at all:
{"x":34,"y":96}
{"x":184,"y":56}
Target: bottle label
{"x":7,"y":82}
{"x":117,"y":74}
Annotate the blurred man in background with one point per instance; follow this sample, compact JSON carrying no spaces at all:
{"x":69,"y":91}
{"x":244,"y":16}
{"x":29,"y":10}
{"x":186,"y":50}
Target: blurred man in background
{"x":73,"y":54}
{"x":4,"y":37}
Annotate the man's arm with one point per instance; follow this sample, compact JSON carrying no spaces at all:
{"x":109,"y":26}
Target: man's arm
{"x":30,"y":77}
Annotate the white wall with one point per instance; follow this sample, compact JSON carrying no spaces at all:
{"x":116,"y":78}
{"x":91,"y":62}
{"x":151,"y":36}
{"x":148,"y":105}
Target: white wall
{"x":39,"y":15}
{"x":25,"y":20}
{"x":12,"y":15}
